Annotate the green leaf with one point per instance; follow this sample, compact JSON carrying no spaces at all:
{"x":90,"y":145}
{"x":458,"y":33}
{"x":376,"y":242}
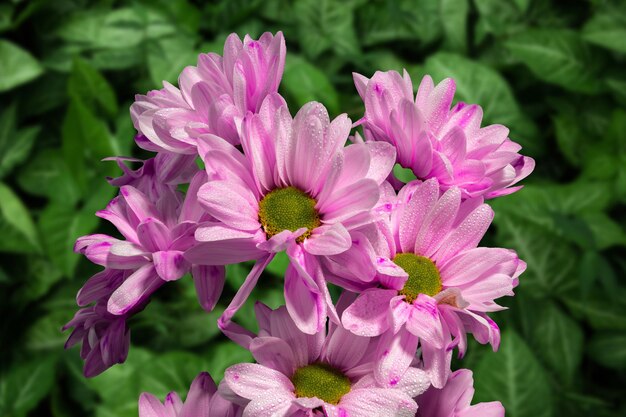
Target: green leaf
{"x":599,"y":313}
{"x":326,"y":24}
{"x":42,"y":276}
{"x":16,"y":225}
{"x":557,"y":56}
{"x":515,"y":377}
{"x":559,"y":342}
{"x":551,"y":261}
{"x":403,"y":174}
{"x":393,"y":21}
{"x":499,"y":17}
{"x":168,"y":57}
{"x":85,"y":137}
{"x":60,"y":226}
{"x":477,"y":83}
{"x":15,"y":146}
{"x":279,"y":264}
{"x":607,"y":29}
{"x":88,"y":85}
{"x":115,"y":29}
{"x":26,"y":385}
{"x":48,"y":175}
{"x":304,"y":82}
{"x":609,"y":350}
{"x":454,"y":15}
{"x":17,"y":66}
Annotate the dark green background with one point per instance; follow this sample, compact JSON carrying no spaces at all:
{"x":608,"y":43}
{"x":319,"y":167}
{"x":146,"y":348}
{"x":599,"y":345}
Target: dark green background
{"x":553,"y":72}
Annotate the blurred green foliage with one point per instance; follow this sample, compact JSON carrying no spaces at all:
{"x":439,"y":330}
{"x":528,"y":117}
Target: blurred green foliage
{"x":553,"y":72}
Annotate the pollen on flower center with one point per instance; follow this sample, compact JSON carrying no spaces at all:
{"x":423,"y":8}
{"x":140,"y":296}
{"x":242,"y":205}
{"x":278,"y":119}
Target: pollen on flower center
{"x":322,"y":381}
{"x":288,"y":209}
{"x":423,"y":274}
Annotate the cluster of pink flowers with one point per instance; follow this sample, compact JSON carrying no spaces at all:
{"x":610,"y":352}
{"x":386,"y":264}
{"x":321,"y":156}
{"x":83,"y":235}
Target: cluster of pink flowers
{"x":414,"y":280}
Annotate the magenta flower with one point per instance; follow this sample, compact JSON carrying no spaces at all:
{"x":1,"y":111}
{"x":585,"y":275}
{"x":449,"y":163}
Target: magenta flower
{"x":455,"y":398}
{"x":295,"y":188}
{"x":213,"y":97}
{"x":298,"y":374}
{"x":436,"y":142}
{"x":152,"y":254}
{"x":156,"y":176}
{"x":449,"y":283}
{"x":105,"y":337}
{"x":202,"y":401}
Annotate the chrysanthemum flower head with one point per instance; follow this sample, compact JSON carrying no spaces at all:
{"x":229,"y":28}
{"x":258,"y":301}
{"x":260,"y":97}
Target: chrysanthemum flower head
{"x":449,"y":285}
{"x":151,"y":254}
{"x":212,"y":97}
{"x":202,"y":401}
{"x":435,"y":141}
{"x":295,"y":188}
{"x":454,"y":399}
{"x":297,"y":374}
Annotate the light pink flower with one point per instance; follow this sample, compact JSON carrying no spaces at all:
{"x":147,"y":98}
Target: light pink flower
{"x":213,"y":97}
{"x":451,"y":285}
{"x":454,"y":400}
{"x":435,"y":141}
{"x":295,"y":188}
{"x":202,"y":401}
{"x":298,"y":374}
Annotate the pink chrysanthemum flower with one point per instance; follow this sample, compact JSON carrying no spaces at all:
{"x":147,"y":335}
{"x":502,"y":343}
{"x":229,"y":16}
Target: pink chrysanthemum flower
{"x":295,"y":188}
{"x":298,"y":374}
{"x":202,"y":401}
{"x":105,"y":337}
{"x":213,"y":97}
{"x":156,"y":237}
{"x":449,"y":284}
{"x":156,"y":176}
{"x":436,"y":142}
{"x":454,"y":400}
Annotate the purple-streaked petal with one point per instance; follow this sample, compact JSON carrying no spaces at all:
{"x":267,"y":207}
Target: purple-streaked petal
{"x":209,"y":283}
{"x":137,"y":288}
{"x":368,"y":315}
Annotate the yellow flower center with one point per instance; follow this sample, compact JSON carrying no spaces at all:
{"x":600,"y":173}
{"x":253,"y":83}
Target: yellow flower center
{"x":322,"y":381}
{"x":424,"y":276}
{"x":288,"y":209}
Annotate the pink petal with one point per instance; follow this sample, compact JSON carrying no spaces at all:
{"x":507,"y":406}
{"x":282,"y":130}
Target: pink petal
{"x":209,"y":283}
{"x":275,"y":403}
{"x":395,"y":353}
{"x":437,"y":223}
{"x":420,"y":203}
{"x":150,"y":406}
{"x":380,"y":402}
{"x":304,"y":302}
{"x":251,"y":380}
{"x":368,"y":315}
{"x":153,"y":235}
{"x":466,"y":235}
{"x":198,"y":399}
{"x":170,"y":265}
{"x":138,"y":203}
{"x":425,"y":321}
{"x":344,"y":349}
{"x":328,"y":240}
{"x":346,"y":202}
{"x":137,"y":288}
{"x":231,"y":204}
{"x":273,"y":353}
